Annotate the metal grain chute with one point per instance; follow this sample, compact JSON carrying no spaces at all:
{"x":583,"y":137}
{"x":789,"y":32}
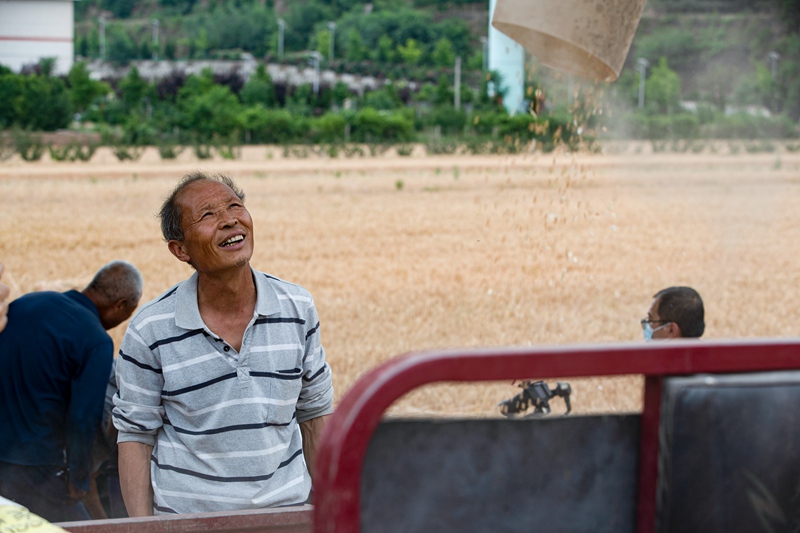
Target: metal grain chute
{"x":589,"y":38}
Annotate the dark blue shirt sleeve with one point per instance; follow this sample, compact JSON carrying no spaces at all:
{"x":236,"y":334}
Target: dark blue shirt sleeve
{"x":86,"y":408}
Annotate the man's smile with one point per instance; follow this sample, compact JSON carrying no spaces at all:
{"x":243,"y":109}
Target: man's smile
{"x":233,"y":240}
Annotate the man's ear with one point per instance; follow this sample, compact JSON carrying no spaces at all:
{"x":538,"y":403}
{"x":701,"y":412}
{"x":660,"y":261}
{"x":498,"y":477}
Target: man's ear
{"x":177,"y":249}
{"x":674,"y":330}
{"x":121,"y":304}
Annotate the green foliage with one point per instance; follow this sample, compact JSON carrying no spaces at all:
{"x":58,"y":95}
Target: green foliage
{"x":259,"y":89}
{"x":663,"y":89}
{"x":61,"y":153}
{"x":208,"y":109}
{"x":301,"y":20}
{"x":328,"y":128}
{"x":355,"y":50}
{"x":405,"y":150}
{"x":410,"y":53}
{"x":133,"y":89}
{"x":35,"y":102}
{"x":82,"y":89}
{"x":747,"y":126}
{"x":250,"y":26}
{"x":385,"y":98}
{"x":443,"y":53}
{"x":384,"y":50}
{"x":120,"y":47}
{"x":27,"y":145}
{"x":321,"y":42}
{"x":7,"y":147}
{"x":369,"y":125}
{"x":449,"y":119}
{"x":168,"y":148}
{"x":273,"y":126}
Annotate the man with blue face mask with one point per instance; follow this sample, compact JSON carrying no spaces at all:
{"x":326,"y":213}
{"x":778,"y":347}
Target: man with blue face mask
{"x":675,"y":313}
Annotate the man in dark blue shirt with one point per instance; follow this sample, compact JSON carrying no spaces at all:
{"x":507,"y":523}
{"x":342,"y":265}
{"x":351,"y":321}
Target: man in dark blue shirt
{"x":55,"y":359}
{"x":4,"y":292}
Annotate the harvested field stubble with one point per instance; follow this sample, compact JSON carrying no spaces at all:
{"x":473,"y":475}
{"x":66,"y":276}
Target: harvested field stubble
{"x":520,"y":253}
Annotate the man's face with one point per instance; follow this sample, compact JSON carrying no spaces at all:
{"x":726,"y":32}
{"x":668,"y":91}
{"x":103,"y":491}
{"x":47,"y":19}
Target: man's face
{"x":217,"y":229}
{"x":117,"y":313}
{"x":661,"y":328}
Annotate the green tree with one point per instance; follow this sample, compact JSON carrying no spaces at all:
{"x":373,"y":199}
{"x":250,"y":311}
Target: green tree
{"x":444,"y":93}
{"x":443,"y":53}
{"x":82,"y":89}
{"x":321,"y":42}
{"x":259,"y":89}
{"x":121,"y":49}
{"x":169,"y":49}
{"x":411,"y":53}
{"x":385,"y":50}
{"x":663,"y":89}
{"x":133,"y":89}
{"x":213,"y":112}
{"x":42,"y":103}
{"x":355,"y":46}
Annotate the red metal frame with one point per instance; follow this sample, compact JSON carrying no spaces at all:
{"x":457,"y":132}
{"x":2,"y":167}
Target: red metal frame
{"x":284,"y":520}
{"x":337,"y":484}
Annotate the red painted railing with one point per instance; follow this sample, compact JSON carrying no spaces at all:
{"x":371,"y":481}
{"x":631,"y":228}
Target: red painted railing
{"x":347,"y":434}
{"x":282,"y":520}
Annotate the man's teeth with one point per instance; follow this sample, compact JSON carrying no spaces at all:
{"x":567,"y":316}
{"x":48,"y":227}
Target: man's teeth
{"x":233,"y":240}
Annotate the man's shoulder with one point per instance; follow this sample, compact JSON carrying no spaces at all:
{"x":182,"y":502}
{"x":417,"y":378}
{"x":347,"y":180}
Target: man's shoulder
{"x":285,"y":288}
{"x":163,"y":304}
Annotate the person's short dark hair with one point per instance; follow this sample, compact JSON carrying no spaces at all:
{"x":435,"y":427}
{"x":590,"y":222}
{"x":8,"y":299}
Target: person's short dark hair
{"x":170,"y":213}
{"x":683,"y":306}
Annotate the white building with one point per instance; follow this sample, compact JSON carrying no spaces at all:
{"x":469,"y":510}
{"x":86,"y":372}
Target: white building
{"x":507,"y":57}
{"x":33,"y":29}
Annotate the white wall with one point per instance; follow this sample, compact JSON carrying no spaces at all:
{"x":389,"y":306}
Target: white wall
{"x":508,"y":58}
{"x":33,"y":29}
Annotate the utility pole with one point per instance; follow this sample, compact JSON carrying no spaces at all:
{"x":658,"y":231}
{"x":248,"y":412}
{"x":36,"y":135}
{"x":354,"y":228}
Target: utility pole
{"x":331,"y":40}
{"x":642,"y":63}
{"x":156,"y":24}
{"x":457,"y":95}
{"x":774,"y":57}
{"x":102,"y":21}
{"x":316,"y":57}
{"x":281,"y":28}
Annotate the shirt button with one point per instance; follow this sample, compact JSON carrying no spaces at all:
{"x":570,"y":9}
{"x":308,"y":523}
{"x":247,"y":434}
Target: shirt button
{"x":227,"y":348}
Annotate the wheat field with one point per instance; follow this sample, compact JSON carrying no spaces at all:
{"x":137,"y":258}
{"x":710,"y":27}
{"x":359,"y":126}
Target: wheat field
{"x":407,"y":254}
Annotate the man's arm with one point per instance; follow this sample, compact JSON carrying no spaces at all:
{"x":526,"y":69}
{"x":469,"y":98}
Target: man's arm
{"x":92,"y":500}
{"x":85,"y":411}
{"x":312,"y":432}
{"x":134,"y":478}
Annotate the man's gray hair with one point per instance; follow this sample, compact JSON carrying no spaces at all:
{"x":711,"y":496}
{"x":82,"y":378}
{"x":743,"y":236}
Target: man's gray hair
{"x":116,"y":281}
{"x":171,"y":214}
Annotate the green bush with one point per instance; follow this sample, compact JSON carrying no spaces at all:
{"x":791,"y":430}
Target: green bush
{"x":747,"y":126}
{"x":27,"y":145}
{"x":328,"y":128}
{"x":449,"y":119}
{"x":369,"y":125}
{"x":273,"y":126}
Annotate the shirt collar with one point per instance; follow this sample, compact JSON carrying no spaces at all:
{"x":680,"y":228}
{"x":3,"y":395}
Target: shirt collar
{"x":84,"y":301}
{"x":187,"y":312}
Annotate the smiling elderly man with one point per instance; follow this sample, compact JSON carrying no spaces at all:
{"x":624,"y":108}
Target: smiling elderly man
{"x":223,"y":384}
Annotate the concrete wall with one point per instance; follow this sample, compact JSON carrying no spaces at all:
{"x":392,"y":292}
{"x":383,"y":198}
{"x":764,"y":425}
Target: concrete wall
{"x":33,"y":29}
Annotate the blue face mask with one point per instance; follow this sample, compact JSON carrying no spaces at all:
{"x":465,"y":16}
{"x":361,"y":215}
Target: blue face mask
{"x":648,"y":331}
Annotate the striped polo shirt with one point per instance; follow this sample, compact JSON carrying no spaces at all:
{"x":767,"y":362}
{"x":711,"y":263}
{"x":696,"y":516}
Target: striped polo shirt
{"x":224,"y":426}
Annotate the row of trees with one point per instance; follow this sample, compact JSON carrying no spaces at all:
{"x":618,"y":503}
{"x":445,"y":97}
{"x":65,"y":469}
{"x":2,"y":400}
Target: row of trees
{"x":389,"y":36}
